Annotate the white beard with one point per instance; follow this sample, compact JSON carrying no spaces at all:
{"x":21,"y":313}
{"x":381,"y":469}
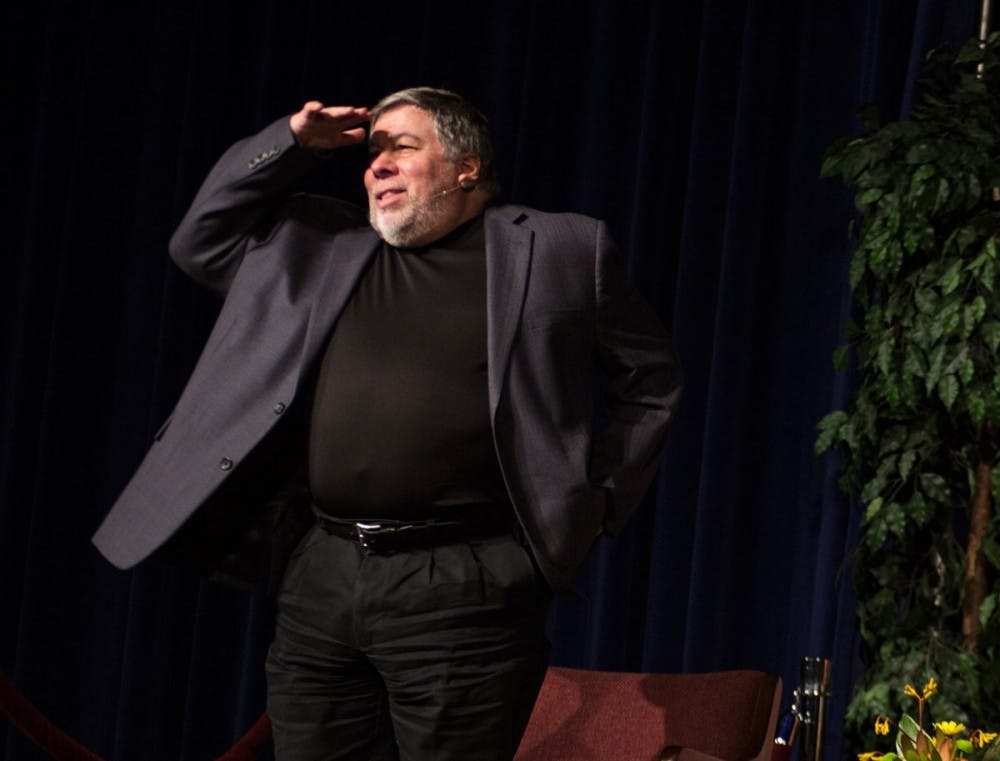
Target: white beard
{"x":400,"y":228}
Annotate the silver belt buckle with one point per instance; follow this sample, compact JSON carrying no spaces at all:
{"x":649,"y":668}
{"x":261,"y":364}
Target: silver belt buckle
{"x":366,"y":533}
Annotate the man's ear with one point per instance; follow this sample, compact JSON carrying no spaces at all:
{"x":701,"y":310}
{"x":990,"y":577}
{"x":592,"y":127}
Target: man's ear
{"x":468,"y":168}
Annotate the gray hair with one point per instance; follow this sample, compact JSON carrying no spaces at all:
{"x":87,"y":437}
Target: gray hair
{"x":459,"y":125}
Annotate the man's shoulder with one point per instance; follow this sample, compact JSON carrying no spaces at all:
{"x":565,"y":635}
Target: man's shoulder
{"x":526,"y":215}
{"x":562,"y":232}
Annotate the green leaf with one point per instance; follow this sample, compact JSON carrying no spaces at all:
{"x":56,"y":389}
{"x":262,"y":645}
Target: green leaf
{"x":849,"y":435}
{"x":935,"y":367}
{"x":958,"y":361}
{"x":915,"y":363}
{"x":963,"y":745}
{"x":873,"y":507}
{"x":964,"y":237}
{"x":906,"y":461}
{"x":977,"y":408}
{"x":841,"y":357}
{"x":921,"y":153}
{"x":884,"y":355}
{"x":895,"y":518}
{"x":972,"y":315}
{"x":891,"y":392}
{"x":951,"y":278}
{"x":920,"y":510}
{"x":949,"y":321}
{"x":869,"y":196}
{"x":986,"y":609}
{"x":987,"y":275}
{"x":991,"y":334}
{"x":926,"y":300}
{"x":991,"y":551}
{"x":970,"y":54}
{"x":830,"y":430}
{"x":978,"y":307}
{"x":976,"y":263}
{"x":858,"y":268}
{"x":892,"y":440}
{"x":830,"y":166}
{"x":966,"y":370}
{"x":935,"y":487}
{"x":909,"y":727}
{"x":873,"y":487}
{"x":893,"y":219}
{"x":944,"y":195}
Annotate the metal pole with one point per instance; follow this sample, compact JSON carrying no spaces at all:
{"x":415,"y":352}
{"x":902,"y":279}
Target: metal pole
{"x":984,"y":31}
{"x":810,"y":704}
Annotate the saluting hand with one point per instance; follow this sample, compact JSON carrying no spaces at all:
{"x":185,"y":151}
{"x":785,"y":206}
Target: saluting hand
{"x":322,"y":128}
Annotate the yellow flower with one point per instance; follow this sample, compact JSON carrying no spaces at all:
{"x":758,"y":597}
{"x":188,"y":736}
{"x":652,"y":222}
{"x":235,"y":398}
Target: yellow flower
{"x":870,"y":756}
{"x":949,"y":728}
{"x":930,"y":688}
{"x":908,"y":690}
{"x":981,"y":739}
{"x":882,"y":724}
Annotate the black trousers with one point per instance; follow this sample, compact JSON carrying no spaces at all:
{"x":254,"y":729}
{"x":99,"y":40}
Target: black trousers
{"x":418,"y":655}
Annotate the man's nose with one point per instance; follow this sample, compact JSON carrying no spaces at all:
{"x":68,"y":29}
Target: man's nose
{"x":381,"y":165}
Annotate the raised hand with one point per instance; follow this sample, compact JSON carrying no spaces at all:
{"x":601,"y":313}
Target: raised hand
{"x":323,"y":128}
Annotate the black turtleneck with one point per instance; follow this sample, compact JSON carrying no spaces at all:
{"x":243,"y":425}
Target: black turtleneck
{"x":400,"y":420}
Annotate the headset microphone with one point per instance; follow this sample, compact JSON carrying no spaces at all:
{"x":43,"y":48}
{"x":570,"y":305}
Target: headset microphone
{"x":466,"y":185}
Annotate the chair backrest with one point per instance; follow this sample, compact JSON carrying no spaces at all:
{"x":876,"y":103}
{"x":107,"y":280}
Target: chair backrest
{"x":607,"y":716}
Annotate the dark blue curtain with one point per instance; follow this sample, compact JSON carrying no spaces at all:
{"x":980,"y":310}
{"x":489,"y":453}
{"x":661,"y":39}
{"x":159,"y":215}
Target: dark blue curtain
{"x":695,"y":128}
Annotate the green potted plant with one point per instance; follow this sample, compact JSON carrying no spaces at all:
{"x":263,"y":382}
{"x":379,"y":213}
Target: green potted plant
{"x":921,"y":436}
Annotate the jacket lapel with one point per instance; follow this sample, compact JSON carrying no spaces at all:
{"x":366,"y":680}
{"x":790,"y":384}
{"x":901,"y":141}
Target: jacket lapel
{"x":346,"y":259}
{"x":508,"y":261}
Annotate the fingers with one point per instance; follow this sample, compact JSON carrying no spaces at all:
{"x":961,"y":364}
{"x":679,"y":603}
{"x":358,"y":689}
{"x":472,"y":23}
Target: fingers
{"x":308,"y":111}
{"x":320,"y":127}
{"x":345,"y":116}
{"x":354,"y":135}
{"x":341,"y":115}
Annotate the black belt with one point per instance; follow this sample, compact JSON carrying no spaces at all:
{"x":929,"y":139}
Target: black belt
{"x":389,"y":535}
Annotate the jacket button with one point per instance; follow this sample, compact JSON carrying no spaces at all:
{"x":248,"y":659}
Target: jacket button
{"x":225,"y":463}
{"x":279,"y":408}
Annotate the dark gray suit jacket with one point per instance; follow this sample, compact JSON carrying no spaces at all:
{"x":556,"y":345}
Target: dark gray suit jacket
{"x":558,"y":309}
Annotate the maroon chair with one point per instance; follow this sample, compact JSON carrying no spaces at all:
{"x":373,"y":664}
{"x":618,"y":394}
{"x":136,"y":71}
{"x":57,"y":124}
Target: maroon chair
{"x":608,"y":716}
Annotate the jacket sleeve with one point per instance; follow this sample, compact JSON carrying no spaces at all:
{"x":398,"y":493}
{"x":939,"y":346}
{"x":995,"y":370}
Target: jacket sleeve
{"x":637,"y":355}
{"x":237,"y":204}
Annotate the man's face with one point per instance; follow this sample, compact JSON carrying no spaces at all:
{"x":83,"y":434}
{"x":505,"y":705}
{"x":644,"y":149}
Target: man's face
{"x":412,"y":186}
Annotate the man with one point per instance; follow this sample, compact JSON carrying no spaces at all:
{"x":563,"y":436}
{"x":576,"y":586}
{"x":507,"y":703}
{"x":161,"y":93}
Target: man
{"x":442,"y":360}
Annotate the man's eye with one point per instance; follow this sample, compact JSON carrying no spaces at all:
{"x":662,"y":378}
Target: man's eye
{"x":397,"y":148}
